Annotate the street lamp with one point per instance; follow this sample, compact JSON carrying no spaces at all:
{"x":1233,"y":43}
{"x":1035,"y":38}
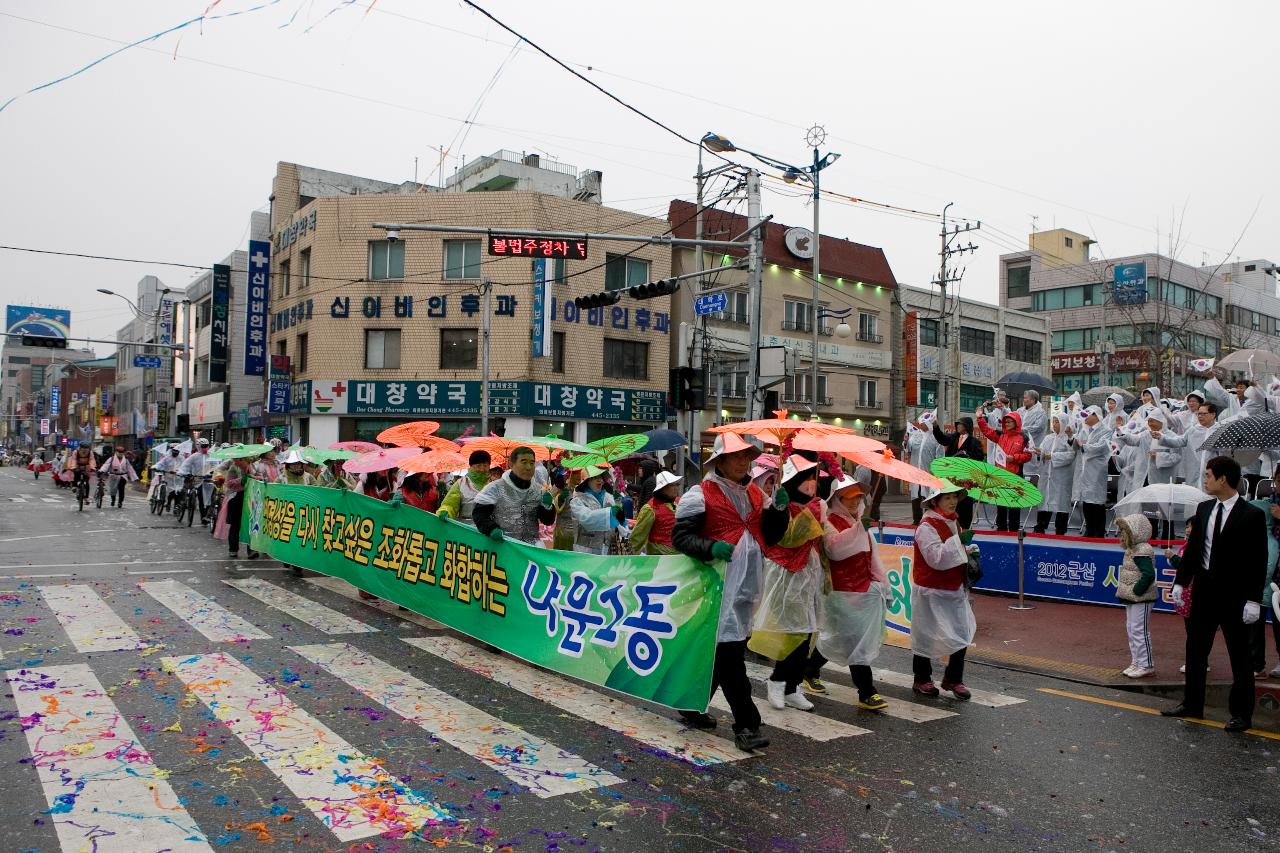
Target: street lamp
{"x":155,"y":334}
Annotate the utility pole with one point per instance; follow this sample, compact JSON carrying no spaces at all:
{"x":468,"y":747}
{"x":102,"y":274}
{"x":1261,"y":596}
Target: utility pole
{"x":755,"y":284}
{"x":487,"y":288}
{"x":948,"y":274}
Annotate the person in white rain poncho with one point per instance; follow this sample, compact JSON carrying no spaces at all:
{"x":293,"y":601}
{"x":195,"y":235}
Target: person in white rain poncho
{"x":793,"y":579}
{"x":852,"y":630}
{"x":719,"y":519}
{"x":1195,"y":436}
{"x":1164,"y":457}
{"x":596,"y":513}
{"x":1057,"y":457}
{"x":1035,"y":423}
{"x":921,"y":455}
{"x":1091,"y":482}
{"x":942,"y":621}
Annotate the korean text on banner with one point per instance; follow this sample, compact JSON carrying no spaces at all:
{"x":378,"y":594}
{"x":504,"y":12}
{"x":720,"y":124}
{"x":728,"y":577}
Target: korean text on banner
{"x":219,"y":324}
{"x":911,"y":356}
{"x":541,"y":324}
{"x":644,"y":626}
{"x":255,"y":320}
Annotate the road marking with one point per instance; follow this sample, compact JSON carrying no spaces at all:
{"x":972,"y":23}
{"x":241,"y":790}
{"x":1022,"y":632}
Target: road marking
{"x":18,"y":500}
{"x":50,"y":500}
{"x":805,"y":724}
{"x":100,"y":782}
{"x":910,"y":711}
{"x":1142,"y":709}
{"x":529,"y":761}
{"x":303,"y":609}
{"x":114,"y":563}
{"x":349,"y":792}
{"x":980,"y":697}
{"x":163,"y":572}
{"x":207,"y":616}
{"x":90,"y":624}
{"x":663,"y":733}
{"x":346,"y":590}
{"x":36,"y":577}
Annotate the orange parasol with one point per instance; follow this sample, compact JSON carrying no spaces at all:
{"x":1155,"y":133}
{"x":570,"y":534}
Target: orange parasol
{"x":842,"y":444}
{"x":410,"y":434}
{"x":500,"y":448}
{"x":775,"y":430}
{"x":885,"y":463}
{"x":434,"y":462}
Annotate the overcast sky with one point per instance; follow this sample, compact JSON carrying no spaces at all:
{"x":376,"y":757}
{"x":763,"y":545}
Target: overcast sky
{"x":1119,"y":120}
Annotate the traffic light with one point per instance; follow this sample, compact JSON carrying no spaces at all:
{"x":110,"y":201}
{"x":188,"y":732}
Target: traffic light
{"x":649,"y":290}
{"x":687,"y":389}
{"x":598,"y":300}
{"x":50,"y":341}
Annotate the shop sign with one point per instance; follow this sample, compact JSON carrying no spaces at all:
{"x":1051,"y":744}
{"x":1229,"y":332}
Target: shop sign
{"x":255,"y":319}
{"x":505,"y":246}
{"x":278,"y":396}
{"x":220,"y":324}
{"x":286,"y":237}
{"x":256,"y":418}
{"x":208,"y":409}
{"x":240,"y":419}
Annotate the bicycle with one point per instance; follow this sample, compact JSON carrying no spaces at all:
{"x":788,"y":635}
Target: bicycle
{"x":82,"y":490}
{"x":101,"y":492}
{"x":158,"y":496}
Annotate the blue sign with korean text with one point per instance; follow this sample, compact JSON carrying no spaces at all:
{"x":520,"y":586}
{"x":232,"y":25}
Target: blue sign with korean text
{"x":710,"y":303}
{"x":255,"y":314}
{"x":152,"y":362}
{"x":1129,"y":284}
{"x":278,"y":394}
{"x":541,"y":322}
{"x":55,"y":400}
{"x":220,"y":324}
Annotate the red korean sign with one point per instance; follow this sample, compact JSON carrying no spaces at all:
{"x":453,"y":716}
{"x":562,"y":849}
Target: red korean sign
{"x":503,"y":246}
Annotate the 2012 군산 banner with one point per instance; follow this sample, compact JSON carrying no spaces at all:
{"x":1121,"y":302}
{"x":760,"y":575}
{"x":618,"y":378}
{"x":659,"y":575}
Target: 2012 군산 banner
{"x":644,"y":626}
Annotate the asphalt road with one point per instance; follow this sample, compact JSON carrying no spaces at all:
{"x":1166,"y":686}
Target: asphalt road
{"x":152,"y":705}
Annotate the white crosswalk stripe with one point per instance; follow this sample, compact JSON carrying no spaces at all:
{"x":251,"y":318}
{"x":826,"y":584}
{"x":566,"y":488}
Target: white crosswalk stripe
{"x":662,"y":733}
{"x":346,"y":590}
{"x":980,"y":697}
{"x":529,"y":761}
{"x":18,"y":500}
{"x":204,"y":614}
{"x":349,"y":792}
{"x":803,"y":723}
{"x":910,"y":711}
{"x":50,"y":500}
{"x":100,"y":782}
{"x":303,"y":609}
{"x":90,"y":624}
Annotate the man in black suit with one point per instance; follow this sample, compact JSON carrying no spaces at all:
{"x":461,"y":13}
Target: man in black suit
{"x":1226,"y":560}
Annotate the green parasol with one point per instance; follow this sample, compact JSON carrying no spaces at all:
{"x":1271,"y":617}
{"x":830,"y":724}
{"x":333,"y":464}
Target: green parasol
{"x":319,"y":456}
{"x":987,"y":483}
{"x":605,"y":451}
{"x":240,"y":451}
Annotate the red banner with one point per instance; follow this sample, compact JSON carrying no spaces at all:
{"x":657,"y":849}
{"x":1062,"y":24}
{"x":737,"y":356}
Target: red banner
{"x":911,"y":355}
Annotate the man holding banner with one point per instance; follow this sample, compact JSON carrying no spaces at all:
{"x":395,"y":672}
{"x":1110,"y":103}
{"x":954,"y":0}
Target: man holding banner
{"x":517,"y":502}
{"x":719,"y":519}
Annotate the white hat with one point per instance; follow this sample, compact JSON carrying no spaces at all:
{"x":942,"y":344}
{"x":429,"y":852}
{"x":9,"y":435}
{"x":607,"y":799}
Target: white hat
{"x":729,"y":442}
{"x":664,"y":479}
{"x":846,"y":482}
{"x":293,"y":457}
{"x":204,"y":442}
{"x":796,"y":465}
{"x":947,"y":488}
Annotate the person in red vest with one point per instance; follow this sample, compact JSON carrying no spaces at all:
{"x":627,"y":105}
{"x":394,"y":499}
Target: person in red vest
{"x":651,"y":533}
{"x":1012,"y":450}
{"x":787,"y":619}
{"x":853,"y":611}
{"x":419,"y":490}
{"x":942,"y":621}
{"x":719,"y":519}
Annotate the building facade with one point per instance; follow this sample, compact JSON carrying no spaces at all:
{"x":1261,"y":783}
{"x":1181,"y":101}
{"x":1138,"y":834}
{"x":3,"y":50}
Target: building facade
{"x":1138,"y":320}
{"x":143,"y":394}
{"x":855,"y":372}
{"x":30,"y":399}
{"x":378,"y":331}
{"x":983,"y":343}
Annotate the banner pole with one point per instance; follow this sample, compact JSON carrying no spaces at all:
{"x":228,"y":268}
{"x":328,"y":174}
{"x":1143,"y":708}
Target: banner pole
{"x":1022,"y":604}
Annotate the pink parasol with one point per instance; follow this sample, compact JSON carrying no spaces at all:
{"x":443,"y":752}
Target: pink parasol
{"x":410,"y":434}
{"x":885,"y":463}
{"x":841,"y":444}
{"x":433,"y":462}
{"x":379,"y":460}
{"x":357,"y":446}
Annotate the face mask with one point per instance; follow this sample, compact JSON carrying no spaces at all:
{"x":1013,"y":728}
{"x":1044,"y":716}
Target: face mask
{"x":809,"y":487}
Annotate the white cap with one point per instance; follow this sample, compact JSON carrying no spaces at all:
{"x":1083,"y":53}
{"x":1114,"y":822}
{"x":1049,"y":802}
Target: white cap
{"x":204,"y":442}
{"x":729,"y":442}
{"x":947,"y":488}
{"x":796,"y":465}
{"x":846,"y":482}
{"x":293,"y":457}
{"x":664,"y":479}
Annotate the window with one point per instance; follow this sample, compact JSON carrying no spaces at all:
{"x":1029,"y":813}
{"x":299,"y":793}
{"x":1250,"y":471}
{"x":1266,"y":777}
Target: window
{"x":557,"y":352}
{"x":300,"y":357}
{"x":304,"y":268}
{"x":1067,"y":297}
{"x":867,"y":398}
{"x":977,"y":341}
{"x":1067,"y":340}
{"x":458,"y":349}
{"x":798,"y":316}
{"x":19,"y":359}
{"x":381,"y":349}
{"x":624,"y":271}
{"x":204,"y":313}
{"x":461,"y":259}
{"x":282,"y":348}
{"x":1019,"y":282}
{"x":284,"y":278}
{"x":626,"y":359}
{"x":735,"y":310}
{"x":1022,"y":349}
{"x":1069,"y":242}
{"x":973,"y":396}
{"x":557,"y":275}
{"x":1250,"y":267}
{"x":929,"y":333}
{"x":386,"y":259}
{"x":868,"y":328}
{"x":796,"y":388}
{"x":929,"y":392}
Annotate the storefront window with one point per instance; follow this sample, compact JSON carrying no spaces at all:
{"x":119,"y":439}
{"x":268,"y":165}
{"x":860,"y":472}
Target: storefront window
{"x":559,"y":429}
{"x":597,"y":431}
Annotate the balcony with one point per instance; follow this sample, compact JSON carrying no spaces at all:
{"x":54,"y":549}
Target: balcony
{"x":870,"y":337}
{"x":804,"y":399}
{"x":732,"y":317}
{"x":867,"y":404}
{"x":797,"y":326}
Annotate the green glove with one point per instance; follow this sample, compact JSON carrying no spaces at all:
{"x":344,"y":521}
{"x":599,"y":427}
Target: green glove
{"x":868,"y":523}
{"x":547,"y":500}
{"x":966,"y":536}
{"x":781,"y":498}
{"x":443,"y":513}
{"x":496,"y":534}
{"x":618,"y":512}
{"x":721,"y":551}
{"x":395,"y":501}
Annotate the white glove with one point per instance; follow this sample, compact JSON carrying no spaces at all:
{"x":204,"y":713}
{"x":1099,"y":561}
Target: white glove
{"x":1176,"y":595}
{"x":1275,"y":599}
{"x":972,"y":549}
{"x":1251,"y":612}
{"x":887,"y":591}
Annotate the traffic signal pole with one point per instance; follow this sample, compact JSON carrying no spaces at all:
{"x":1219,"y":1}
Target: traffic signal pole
{"x":755,"y":287}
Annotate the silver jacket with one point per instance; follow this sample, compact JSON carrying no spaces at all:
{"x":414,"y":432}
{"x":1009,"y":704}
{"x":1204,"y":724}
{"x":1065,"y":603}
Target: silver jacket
{"x":515,"y":509}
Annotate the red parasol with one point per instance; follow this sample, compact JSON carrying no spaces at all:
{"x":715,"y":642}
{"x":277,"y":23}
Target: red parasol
{"x":410,"y":434}
{"x":885,"y":463}
{"x":842,"y":444}
{"x":433,"y":462}
{"x":379,"y":460}
{"x":500,"y":448}
{"x":776,"y":430}
{"x":357,"y":446}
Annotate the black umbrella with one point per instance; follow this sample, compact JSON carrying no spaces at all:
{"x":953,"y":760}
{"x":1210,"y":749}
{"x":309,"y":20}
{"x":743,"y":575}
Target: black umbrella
{"x":1014,"y":384}
{"x":663,"y":439}
{"x":1259,"y":432}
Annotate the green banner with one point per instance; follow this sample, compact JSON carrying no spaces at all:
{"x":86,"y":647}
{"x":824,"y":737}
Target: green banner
{"x":644,"y":626}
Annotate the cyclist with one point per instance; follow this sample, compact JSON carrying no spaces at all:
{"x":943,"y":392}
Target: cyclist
{"x":166,"y":471}
{"x":120,"y":470}
{"x":81,"y":464}
{"x":193,"y":469}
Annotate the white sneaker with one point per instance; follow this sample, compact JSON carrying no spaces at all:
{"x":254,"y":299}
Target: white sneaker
{"x":1183,"y":669}
{"x":796,"y":700}
{"x":1140,"y":671}
{"x":776,"y":691}
{"x":1129,"y":670}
